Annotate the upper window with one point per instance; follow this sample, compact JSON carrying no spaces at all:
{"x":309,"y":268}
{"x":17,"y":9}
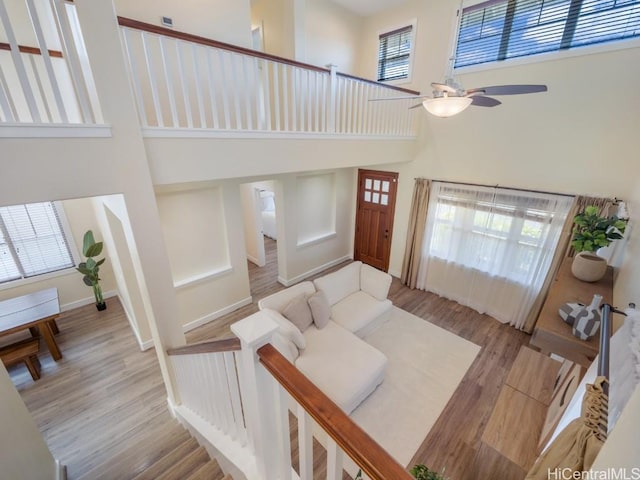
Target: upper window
{"x":501,"y":29}
{"x":394,"y":54}
{"x":32,"y":241}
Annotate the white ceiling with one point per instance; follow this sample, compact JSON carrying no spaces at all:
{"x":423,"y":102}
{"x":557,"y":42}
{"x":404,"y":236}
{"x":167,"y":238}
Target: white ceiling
{"x":368,"y":7}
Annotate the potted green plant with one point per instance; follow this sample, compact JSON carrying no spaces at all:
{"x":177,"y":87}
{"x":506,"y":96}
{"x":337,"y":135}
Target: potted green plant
{"x":421,"y":472}
{"x":91,"y":267}
{"x":590,"y":233}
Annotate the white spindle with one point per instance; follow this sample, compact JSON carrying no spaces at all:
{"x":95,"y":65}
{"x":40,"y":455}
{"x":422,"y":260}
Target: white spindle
{"x":19,"y":64}
{"x":184,"y":86}
{"x":275,"y":67}
{"x":212,"y":91}
{"x":44,"y":51}
{"x":294,"y":86}
{"x":333,"y":100}
{"x":43,"y":94}
{"x":224,"y":89}
{"x":70,"y":54}
{"x":248,"y":91}
{"x":6,"y":102}
{"x":136,"y":78}
{"x":261,"y":70}
{"x":334,"y":460}
{"x":309,"y":98}
{"x":282,"y":423}
{"x":230,"y":362}
{"x":305,"y":444}
{"x":317,"y":85}
{"x":198,"y":83}
{"x":323,"y":102}
{"x":169,"y":82}
{"x":299,"y":87}
{"x":152,"y":80}
{"x":285,"y":96}
{"x":223,"y":388}
{"x":236,"y":93}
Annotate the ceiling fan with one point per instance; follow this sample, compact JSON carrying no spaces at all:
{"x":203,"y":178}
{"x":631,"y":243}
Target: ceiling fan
{"x":450,"y":98}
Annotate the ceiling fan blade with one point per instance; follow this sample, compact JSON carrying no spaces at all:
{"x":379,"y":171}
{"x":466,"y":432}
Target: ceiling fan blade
{"x":415,"y":97}
{"x":482,"y":101}
{"x":510,"y":89}
{"x":443,"y":87}
{"x":415,"y":106}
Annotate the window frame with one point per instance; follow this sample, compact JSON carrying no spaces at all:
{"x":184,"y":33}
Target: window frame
{"x":71,"y":244}
{"x":541,"y":57}
{"x":413,"y":23}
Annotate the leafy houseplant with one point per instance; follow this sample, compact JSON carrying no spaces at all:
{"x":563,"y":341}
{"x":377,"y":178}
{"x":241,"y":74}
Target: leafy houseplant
{"x":421,"y":472}
{"x":90,"y":269}
{"x":592,"y":231}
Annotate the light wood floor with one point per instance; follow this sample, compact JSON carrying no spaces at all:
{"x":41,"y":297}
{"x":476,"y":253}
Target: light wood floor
{"x":105,"y":394}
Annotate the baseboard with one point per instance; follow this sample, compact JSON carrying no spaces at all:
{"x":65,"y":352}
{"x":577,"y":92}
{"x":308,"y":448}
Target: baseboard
{"x":291,"y":281}
{"x":187,"y":327}
{"x":395,"y":273}
{"x":86,"y":301}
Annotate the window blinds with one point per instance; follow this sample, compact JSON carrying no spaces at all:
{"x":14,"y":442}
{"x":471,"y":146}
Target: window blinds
{"x":394,"y":53}
{"x":501,"y":29}
{"x":32,"y":241}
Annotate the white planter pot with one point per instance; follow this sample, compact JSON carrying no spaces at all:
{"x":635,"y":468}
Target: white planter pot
{"x":588,"y":267}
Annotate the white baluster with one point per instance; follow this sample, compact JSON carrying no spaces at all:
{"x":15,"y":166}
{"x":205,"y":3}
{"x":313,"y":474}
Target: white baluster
{"x":248,"y":92}
{"x":334,"y":460}
{"x":275,"y":67}
{"x":134,"y":75}
{"x":53,"y":81}
{"x":169,"y":82}
{"x":212,"y":91}
{"x":223,"y":389}
{"x":43,"y":94}
{"x":224,"y":86}
{"x":332,"y":114}
{"x":309,"y":98}
{"x":281,"y":401}
{"x":234,"y":394}
{"x":294,"y":96}
{"x":317,"y":85}
{"x":323,"y":102}
{"x":152,"y":80}
{"x":198,"y":83}
{"x":285,"y":96}
{"x":305,"y":444}
{"x":70,"y":54}
{"x":343,"y":101}
{"x":19,"y":64}
{"x":261,"y":70}
{"x":234,"y":88}
{"x":6,"y":101}
{"x":184,"y":86}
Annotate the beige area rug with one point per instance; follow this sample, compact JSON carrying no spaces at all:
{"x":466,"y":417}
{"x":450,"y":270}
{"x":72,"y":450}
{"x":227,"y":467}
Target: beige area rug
{"x":426,"y":365}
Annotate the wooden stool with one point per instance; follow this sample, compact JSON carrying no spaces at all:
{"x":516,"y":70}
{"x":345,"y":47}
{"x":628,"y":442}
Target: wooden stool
{"x":24,"y":351}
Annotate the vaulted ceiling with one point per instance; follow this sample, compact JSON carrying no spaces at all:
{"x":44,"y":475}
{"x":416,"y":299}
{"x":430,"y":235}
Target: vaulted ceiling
{"x":368,"y":7}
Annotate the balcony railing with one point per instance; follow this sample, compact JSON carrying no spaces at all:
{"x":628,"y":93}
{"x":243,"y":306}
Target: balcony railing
{"x":44,"y":70}
{"x":183,"y":81}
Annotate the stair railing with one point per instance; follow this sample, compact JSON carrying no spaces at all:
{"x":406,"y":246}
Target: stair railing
{"x":184,"y":81}
{"x":50,"y":82}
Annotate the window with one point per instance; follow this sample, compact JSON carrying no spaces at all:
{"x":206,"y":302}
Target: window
{"x":502,"y":29}
{"x":394,"y":54}
{"x":32,"y":241}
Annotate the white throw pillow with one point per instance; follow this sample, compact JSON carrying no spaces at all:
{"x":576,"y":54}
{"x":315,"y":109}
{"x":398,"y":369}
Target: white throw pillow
{"x":286,"y":328}
{"x":298,"y":312}
{"x":340,"y":284}
{"x":320,"y":309}
{"x":374,"y":282}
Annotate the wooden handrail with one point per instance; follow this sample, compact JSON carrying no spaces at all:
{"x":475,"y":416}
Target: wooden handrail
{"x":209,"y":346}
{"x":374,"y":460}
{"x":189,"y":37}
{"x":31,"y":50}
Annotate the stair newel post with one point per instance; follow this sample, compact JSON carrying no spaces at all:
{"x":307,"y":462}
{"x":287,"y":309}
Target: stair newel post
{"x":258,"y":392}
{"x":333,"y":98}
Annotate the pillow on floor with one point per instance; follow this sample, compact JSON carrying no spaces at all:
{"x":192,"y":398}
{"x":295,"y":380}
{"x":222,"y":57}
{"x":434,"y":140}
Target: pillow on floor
{"x":320,"y":309}
{"x":298,"y":312}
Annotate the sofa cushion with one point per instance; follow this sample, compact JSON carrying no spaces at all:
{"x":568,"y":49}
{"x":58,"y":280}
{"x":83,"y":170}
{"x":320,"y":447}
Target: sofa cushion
{"x":358,"y":310}
{"x":344,"y":367}
{"x":374,"y":282}
{"x":320,"y":309}
{"x":298,"y":312}
{"x":286,"y":328}
{"x":279,"y":300}
{"x":340,"y":284}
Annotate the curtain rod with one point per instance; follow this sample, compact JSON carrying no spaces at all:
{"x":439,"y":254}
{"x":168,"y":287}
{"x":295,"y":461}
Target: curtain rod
{"x":498,"y":186}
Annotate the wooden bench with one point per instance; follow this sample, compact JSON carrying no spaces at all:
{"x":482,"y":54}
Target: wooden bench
{"x":23,"y":351}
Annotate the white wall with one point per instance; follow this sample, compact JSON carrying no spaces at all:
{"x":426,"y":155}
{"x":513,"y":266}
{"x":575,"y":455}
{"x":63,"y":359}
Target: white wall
{"x":332,"y":35}
{"x":220,"y":20}
{"x":23,"y":451}
{"x":203,"y":232}
{"x":277,"y":22}
{"x":315,"y":200}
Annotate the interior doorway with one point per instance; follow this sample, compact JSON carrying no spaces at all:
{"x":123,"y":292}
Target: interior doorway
{"x":260,"y":221}
{"x":375,"y":210}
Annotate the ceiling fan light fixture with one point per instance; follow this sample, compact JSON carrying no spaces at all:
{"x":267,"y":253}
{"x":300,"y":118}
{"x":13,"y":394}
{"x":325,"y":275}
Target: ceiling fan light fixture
{"x":446,"y":106}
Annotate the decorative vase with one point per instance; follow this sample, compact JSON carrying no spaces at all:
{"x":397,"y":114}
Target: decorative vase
{"x":587,"y":321}
{"x":569,"y":311}
{"x":588,"y":267}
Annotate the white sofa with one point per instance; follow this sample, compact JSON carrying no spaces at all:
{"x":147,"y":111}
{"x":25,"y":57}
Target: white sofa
{"x":334,"y":358}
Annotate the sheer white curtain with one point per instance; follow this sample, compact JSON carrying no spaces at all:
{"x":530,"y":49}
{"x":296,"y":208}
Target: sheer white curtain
{"x":490,"y":248}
